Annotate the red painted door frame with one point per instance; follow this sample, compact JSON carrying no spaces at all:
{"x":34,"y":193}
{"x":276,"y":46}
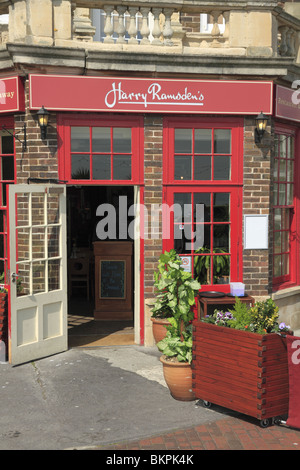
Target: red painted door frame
{"x":64,"y":121}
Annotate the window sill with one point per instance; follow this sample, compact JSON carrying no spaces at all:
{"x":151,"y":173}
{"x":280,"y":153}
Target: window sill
{"x":289,"y":292}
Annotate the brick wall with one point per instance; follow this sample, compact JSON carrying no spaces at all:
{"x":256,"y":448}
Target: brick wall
{"x":153,"y":196}
{"x":40,"y":159}
{"x":256,"y":200}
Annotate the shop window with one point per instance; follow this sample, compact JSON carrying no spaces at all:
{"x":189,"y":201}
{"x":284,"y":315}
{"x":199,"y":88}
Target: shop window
{"x":7,"y":176}
{"x":284,"y":210}
{"x":203,"y":184}
{"x":99,"y":149}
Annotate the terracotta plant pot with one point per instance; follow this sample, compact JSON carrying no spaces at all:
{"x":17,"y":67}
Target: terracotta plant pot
{"x":178,"y":377}
{"x":159,"y":328}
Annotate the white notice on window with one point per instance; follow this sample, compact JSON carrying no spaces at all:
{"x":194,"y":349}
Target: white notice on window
{"x":186,"y":263}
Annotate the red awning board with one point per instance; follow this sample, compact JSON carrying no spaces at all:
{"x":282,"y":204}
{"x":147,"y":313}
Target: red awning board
{"x":108,"y":94}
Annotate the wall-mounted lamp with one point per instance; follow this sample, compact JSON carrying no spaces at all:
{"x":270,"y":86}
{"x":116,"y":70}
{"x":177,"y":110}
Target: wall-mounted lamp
{"x":15,"y":136}
{"x":261,"y":123}
{"x":43,"y":117}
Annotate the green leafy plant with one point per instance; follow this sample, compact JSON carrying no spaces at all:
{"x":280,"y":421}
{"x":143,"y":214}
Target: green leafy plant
{"x":2,"y":287}
{"x":202,"y":265}
{"x":175,"y":289}
{"x":177,"y":346}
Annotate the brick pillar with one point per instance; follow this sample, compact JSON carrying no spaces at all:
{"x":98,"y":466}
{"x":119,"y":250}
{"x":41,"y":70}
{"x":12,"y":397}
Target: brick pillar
{"x":256,"y":200}
{"x":153,"y":141}
{"x":40,"y":159}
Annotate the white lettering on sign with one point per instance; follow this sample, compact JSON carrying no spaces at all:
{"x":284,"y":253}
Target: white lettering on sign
{"x":153,"y":95}
{"x":295,"y":358}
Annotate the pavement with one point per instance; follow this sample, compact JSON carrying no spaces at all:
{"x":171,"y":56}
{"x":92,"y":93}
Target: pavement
{"x":115,"y":399}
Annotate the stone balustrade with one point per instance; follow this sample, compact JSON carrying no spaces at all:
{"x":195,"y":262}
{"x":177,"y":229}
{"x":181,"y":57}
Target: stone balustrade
{"x":288,"y":36}
{"x":236,"y":28}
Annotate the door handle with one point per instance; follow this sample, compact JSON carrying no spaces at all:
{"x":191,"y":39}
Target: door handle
{"x":14,"y":277}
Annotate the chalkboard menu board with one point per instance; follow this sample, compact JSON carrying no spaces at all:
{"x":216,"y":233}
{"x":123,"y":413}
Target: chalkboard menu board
{"x":112,"y":279}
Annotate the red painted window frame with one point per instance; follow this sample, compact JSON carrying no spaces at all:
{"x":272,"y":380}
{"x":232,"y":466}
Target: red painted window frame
{"x":293,"y":278}
{"x":9,"y":123}
{"x":66,"y":121}
{"x":234,"y":186}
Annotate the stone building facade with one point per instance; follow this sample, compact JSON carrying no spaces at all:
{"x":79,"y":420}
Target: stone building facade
{"x":211,"y":43}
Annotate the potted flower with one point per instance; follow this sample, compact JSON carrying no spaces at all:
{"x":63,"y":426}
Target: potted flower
{"x":176,"y":291}
{"x":175,"y":294}
{"x":240,"y":360}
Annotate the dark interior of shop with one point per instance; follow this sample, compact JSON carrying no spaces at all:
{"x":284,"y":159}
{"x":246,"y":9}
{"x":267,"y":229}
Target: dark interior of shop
{"x":82,"y":220}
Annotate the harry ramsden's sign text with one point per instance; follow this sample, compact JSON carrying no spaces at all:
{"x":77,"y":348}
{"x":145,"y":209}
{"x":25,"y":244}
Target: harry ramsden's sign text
{"x":153,"y":95}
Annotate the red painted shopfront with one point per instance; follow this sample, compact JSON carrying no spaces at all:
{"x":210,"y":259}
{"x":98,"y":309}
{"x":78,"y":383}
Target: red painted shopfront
{"x":193,"y":177}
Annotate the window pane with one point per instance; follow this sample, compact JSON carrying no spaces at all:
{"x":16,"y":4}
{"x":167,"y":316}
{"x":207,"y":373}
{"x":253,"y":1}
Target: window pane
{"x":202,"y":210}
{"x":101,"y":167}
{"x":221,"y":269}
{"x":80,"y":167}
{"x":277,"y":266}
{"x":222,"y":141}
{"x":53,"y":275}
{"x":183,"y":167}
{"x":277,"y":219}
{"x":290,"y":194}
{"x":285,"y":221}
{"x":182,"y":238}
{"x":282,"y":170}
{"x":290,"y":147}
{"x":282,"y":195}
{"x":101,"y":139}
{"x":285,"y":241}
{"x":7,"y":143}
{"x":38,"y":242}
{"x":183,"y":140}
{"x":38,"y":277}
{"x":184,"y":200}
{"x":202,"y":269}
{"x":202,"y":141}
{"x":122,"y":140}
{"x":202,"y":238}
{"x":8,"y":172}
{"x":202,"y":167}
{"x":221,"y":237}
{"x":277,"y":242}
{"x":80,"y":139}
{"x":285,"y":265}
{"x":221,"y":207}
{"x":221,"y":168}
{"x":122,"y":167}
{"x":290,"y":170}
{"x":275,"y":202}
{"x":282,"y":146}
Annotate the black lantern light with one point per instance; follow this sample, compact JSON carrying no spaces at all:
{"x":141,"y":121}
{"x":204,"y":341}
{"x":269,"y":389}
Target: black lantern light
{"x":43,"y":117}
{"x":261,"y":123}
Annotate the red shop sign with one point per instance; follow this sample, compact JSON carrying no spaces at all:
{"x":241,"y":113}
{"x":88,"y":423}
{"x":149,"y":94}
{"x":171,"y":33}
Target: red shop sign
{"x":76,"y":93}
{"x":287,"y":104}
{"x":11,"y":95}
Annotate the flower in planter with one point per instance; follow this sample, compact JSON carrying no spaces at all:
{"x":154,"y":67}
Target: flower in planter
{"x":261,"y":318}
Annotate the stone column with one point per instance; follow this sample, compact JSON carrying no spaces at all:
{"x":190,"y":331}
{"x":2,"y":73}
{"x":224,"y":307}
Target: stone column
{"x":82,"y":25}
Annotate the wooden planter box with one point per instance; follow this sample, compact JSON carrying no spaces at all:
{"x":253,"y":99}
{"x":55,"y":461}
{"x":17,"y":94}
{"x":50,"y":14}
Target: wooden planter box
{"x":245,"y":372}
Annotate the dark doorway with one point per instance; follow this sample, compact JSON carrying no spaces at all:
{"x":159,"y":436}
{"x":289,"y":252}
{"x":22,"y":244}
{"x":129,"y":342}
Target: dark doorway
{"x":82,"y":221}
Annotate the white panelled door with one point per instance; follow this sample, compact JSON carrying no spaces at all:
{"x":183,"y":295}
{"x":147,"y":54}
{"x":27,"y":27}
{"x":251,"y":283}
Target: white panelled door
{"x":38,"y":260}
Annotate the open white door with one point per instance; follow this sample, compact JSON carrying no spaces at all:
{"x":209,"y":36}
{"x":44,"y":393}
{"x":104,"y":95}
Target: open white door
{"x":37,"y":240}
